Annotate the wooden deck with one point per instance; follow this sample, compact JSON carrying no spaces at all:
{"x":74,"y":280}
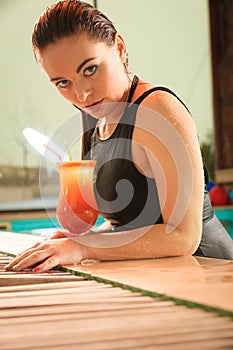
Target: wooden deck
{"x":174,"y":303}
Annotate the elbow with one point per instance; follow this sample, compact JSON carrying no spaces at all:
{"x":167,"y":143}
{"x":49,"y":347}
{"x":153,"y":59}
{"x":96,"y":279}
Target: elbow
{"x":187,"y":239}
{"x":191,"y":240}
{"x":191,"y":248}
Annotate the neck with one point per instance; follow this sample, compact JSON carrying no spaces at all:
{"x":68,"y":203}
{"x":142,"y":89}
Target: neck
{"x":113,"y":113}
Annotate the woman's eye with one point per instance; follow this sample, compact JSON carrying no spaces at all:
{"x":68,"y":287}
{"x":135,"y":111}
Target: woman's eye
{"x":63,"y":83}
{"x":90,"y":71}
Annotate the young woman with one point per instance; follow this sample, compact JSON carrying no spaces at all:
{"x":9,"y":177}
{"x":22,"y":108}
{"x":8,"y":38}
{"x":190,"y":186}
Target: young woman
{"x":149,"y":176}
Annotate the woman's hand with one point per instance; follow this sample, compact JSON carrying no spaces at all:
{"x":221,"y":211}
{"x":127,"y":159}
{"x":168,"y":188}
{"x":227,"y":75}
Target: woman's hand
{"x":57,"y":234}
{"x":47,"y":254}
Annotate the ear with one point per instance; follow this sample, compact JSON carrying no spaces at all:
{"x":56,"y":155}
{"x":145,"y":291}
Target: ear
{"x":121,"y":47}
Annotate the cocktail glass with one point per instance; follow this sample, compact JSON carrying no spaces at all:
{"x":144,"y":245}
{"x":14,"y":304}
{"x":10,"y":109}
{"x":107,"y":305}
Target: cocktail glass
{"x":77,"y":208}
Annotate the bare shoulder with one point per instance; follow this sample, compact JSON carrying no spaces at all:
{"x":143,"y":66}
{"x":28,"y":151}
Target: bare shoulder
{"x":165,"y":104}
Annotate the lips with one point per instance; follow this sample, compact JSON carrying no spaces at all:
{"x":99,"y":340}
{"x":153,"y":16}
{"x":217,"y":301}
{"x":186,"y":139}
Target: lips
{"x":94,"y":104}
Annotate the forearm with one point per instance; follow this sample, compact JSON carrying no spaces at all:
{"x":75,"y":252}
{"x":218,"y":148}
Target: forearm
{"x":146,"y":242}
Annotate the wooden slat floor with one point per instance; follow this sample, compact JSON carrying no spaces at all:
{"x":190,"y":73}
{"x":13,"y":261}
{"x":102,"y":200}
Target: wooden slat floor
{"x":56,"y":310}
{"x":195,"y":279}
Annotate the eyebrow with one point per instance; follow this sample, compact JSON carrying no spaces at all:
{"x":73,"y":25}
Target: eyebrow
{"x":77,"y":70}
{"x":83,"y":64}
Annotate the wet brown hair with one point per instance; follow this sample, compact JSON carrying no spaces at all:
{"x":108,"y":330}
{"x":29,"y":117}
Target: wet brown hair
{"x":67,"y":18}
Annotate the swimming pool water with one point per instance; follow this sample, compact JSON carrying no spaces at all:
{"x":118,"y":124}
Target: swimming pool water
{"x":45,"y":226}
{"x":38,"y":226}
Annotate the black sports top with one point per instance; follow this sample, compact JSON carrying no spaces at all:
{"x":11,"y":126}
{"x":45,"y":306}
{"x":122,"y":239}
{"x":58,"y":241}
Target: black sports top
{"x":124,"y":195}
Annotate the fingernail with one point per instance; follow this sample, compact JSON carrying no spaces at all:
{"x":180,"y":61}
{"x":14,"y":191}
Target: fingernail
{"x":16,"y":268}
{"x":36,"y":269}
{"x":7,"y":267}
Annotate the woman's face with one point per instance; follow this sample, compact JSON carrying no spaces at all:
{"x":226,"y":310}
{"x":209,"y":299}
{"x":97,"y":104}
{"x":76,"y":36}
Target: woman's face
{"x":86,"y":73}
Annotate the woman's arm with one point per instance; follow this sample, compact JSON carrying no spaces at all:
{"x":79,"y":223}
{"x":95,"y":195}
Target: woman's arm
{"x":167,"y":134}
{"x":149,"y":242}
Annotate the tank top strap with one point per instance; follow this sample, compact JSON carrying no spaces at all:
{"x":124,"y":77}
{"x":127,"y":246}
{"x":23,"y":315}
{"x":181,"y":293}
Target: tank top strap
{"x":147,"y":93}
{"x":132,"y":88}
{"x":158,"y":88}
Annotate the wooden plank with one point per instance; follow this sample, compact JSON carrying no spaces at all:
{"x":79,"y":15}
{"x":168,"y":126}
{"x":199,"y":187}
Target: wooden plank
{"x":224,"y":176}
{"x":144,"y":343}
{"x":89,"y":315}
{"x":24,"y":279}
{"x":15,"y":243}
{"x":200,"y":280}
{"x":24,"y":215}
{"x":167,"y":329}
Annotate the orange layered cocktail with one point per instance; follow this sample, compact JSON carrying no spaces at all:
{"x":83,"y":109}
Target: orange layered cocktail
{"x":77,"y":209}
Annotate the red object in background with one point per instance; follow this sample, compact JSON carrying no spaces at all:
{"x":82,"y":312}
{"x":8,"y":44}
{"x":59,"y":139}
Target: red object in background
{"x":218,"y":195}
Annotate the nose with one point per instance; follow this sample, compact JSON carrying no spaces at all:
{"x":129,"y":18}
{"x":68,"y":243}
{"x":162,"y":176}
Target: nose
{"x":81,"y":93}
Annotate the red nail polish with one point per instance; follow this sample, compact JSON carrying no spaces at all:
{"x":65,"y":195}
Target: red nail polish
{"x":36,"y":269}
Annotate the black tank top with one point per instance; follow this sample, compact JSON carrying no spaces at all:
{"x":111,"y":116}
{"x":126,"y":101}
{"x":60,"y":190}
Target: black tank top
{"x":124,"y":195}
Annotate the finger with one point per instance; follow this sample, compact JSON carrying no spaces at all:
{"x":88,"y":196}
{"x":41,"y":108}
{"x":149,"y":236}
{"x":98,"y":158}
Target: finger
{"x":48,"y":264}
{"x":21,"y":256}
{"x":54,"y":235}
{"x":15,"y":264}
{"x":32,"y":259}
